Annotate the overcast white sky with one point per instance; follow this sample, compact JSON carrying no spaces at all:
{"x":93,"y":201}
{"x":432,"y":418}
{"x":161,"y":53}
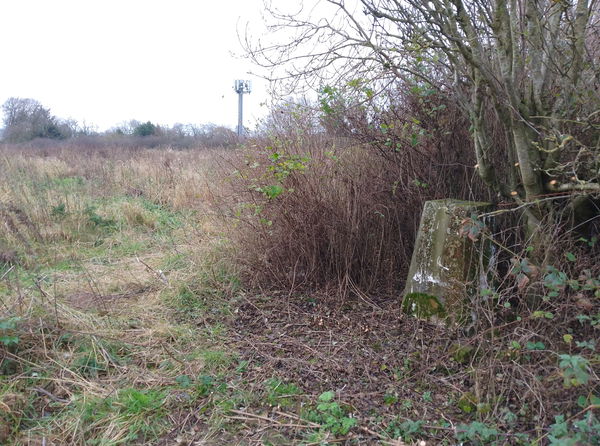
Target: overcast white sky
{"x":108,"y":61}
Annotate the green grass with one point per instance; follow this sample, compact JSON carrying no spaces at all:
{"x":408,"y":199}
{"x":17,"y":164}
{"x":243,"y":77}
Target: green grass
{"x":280,"y":393}
{"x":136,"y":416}
{"x":63,"y":184}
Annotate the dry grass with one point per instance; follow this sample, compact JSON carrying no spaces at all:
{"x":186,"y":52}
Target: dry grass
{"x":124,"y":321}
{"x":96,"y":248}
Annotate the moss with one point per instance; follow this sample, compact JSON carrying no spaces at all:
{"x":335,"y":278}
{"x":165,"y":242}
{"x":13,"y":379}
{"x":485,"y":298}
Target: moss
{"x":423,"y":305}
{"x":484,"y":408}
{"x":461,"y":354}
{"x":467,"y":402}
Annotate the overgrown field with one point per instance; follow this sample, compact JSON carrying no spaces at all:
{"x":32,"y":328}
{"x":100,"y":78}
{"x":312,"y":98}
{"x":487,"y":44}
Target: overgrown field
{"x":129,"y":315}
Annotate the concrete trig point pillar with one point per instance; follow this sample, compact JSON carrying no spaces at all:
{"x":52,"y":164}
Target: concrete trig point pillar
{"x":443,"y":262}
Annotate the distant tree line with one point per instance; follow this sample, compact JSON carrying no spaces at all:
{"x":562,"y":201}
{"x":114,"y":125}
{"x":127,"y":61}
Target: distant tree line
{"x":26,"y":120}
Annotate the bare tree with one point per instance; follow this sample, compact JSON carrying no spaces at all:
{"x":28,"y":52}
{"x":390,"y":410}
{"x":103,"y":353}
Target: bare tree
{"x":529,"y":67}
{"x":290,"y":116}
{"x":27,"y":119}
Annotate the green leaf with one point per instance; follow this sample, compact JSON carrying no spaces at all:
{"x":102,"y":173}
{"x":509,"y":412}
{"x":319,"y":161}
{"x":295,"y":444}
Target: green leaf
{"x":9,"y":340}
{"x":9,"y":323}
{"x":347,"y":424}
{"x":326,"y":397}
{"x":272,"y":191}
{"x":414,"y":141}
{"x":591,"y":344}
{"x":575,"y":370}
{"x":184,"y":381}
{"x":390,"y":399}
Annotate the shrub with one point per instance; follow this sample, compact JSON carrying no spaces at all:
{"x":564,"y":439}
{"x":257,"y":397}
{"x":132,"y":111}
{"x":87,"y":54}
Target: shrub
{"x":327,"y":212}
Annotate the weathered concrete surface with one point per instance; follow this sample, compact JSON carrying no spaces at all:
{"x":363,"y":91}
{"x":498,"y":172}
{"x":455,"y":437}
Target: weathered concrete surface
{"x":444,"y":262}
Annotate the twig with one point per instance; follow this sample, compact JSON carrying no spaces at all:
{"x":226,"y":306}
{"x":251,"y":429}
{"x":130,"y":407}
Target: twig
{"x":171,"y":355}
{"x":296,"y":417}
{"x":362,"y":295}
{"x":521,"y":206}
{"x":331,"y":441}
{"x":303,"y":426}
{"x":39,"y":287}
{"x":375,"y":434}
{"x":7,"y":271}
{"x":47,"y":296}
{"x":51,"y":396}
{"x":252,"y":416}
{"x":157,"y":272}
